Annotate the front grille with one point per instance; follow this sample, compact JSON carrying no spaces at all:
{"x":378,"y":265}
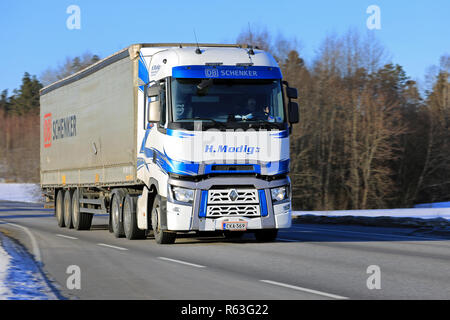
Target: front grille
{"x":233,"y":210}
{"x":232,"y":202}
{"x":232,"y":167}
{"x":226,"y":196}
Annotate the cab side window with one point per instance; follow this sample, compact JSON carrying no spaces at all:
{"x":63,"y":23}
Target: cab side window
{"x":162,"y":97}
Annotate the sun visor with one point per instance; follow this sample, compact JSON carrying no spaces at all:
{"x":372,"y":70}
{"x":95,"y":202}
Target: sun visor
{"x":226,"y":72}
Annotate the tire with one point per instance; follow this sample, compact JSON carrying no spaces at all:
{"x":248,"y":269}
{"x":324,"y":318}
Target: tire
{"x":110,"y":228}
{"x":68,"y":208}
{"x":80,"y":220}
{"x":161,"y":236}
{"x":130,"y":227}
{"x":116,"y":212}
{"x":59,"y":208}
{"x":266,"y":235}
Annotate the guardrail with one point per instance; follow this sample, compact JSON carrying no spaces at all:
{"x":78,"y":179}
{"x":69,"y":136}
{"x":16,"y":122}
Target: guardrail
{"x":430,"y":213}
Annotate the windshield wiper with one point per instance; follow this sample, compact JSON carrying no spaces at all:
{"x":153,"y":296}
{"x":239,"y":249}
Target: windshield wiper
{"x":269,"y":124}
{"x":207,"y":119}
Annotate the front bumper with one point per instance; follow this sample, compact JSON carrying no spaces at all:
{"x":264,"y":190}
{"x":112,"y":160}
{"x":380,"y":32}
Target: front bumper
{"x":188,"y":217}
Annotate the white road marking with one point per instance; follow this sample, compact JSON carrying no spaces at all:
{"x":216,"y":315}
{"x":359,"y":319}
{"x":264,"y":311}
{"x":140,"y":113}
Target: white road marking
{"x":368,"y":233}
{"x":68,"y":237}
{"x":182,"y":262}
{"x":36,"y":251}
{"x":329,"y":295}
{"x":110,"y":246}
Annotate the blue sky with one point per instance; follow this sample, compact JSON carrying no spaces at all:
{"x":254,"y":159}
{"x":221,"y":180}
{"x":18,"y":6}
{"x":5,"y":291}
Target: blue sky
{"x":34,"y":36}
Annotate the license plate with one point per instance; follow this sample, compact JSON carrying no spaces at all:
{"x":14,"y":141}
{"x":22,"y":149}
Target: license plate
{"x":234,"y":226}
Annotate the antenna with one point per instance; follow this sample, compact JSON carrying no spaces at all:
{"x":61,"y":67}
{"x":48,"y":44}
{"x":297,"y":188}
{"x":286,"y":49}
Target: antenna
{"x":250,"y":50}
{"x":197,"y":51}
{"x":250,"y":45}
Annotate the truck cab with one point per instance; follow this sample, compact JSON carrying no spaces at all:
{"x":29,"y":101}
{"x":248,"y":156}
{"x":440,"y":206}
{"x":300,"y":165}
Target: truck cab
{"x":213,"y":141}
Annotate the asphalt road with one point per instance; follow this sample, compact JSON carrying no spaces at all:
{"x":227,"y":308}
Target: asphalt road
{"x":308,"y":261}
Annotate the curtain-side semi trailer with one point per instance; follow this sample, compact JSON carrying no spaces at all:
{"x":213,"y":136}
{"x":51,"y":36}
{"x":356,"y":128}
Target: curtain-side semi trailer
{"x":171,"y":138}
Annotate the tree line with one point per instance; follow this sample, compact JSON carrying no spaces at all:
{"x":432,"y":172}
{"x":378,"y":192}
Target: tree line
{"x":368,"y":137}
{"x":19,"y":121}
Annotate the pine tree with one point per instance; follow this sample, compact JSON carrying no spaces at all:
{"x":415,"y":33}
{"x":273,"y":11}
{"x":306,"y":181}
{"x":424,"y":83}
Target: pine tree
{"x":26,"y":99}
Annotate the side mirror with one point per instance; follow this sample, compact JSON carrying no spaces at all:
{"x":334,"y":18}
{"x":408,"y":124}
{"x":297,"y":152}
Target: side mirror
{"x":291,"y":93}
{"x":294,"y":116}
{"x":153,"y":91}
{"x":154,"y":111}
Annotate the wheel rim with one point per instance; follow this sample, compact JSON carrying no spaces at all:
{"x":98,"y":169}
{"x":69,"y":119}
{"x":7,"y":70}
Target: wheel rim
{"x":115,"y":213}
{"x":75,"y":214}
{"x":155,"y":220}
{"x":126,"y":217}
{"x":67,"y":206}
{"x":59,"y":213}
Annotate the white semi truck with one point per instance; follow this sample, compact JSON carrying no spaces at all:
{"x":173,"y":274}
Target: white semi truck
{"x":171,"y":138}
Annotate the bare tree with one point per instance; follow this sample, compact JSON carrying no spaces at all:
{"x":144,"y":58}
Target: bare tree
{"x":70,"y":66}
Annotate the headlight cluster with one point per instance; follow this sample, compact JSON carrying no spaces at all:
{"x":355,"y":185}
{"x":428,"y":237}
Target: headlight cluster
{"x":280,"y":193}
{"x":182,"y":194}
{"x":187,"y":195}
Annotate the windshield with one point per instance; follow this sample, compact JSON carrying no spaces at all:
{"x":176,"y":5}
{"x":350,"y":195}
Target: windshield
{"x":228,"y":101}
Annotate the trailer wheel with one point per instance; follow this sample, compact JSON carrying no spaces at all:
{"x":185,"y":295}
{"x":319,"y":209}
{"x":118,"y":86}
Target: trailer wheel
{"x":161,"y":236}
{"x":266,"y":235}
{"x":116,"y":208}
{"x":68,"y":208}
{"x":80,"y":220}
{"x":59,"y":208}
{"x":130,"y":227}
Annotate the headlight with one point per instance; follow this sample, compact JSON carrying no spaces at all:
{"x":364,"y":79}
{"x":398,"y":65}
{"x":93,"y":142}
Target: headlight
{"x":182,"y":194}
{"x":279,"y":194}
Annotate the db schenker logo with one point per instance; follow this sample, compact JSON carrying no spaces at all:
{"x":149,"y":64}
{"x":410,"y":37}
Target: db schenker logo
{"x":211,"y":73}
{"x":47,"y":127}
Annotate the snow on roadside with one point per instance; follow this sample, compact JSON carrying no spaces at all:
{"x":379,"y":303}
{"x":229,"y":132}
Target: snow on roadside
{"x":21,"y":278}
{"x":4,"y":262}
{"x":23,"y":192}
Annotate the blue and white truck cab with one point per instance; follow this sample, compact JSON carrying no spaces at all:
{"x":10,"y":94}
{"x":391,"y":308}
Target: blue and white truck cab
{"x":214,"y":141}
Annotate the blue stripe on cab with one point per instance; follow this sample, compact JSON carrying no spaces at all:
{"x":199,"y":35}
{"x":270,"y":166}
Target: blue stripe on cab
{"x":263,"y":203}
{"x":203,"y":202}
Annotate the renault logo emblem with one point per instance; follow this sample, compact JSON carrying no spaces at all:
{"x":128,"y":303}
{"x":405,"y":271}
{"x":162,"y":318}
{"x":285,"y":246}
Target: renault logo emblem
{"x":233,"y":195}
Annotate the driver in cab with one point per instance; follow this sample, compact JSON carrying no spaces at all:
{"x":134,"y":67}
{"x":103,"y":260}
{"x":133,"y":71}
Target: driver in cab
{"x":252,"y":112}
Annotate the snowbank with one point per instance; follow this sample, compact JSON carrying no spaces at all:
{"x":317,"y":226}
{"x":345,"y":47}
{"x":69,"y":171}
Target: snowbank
{"x":23,"y":192}
{"x":4,"y":262}
{"x":21,"y":278}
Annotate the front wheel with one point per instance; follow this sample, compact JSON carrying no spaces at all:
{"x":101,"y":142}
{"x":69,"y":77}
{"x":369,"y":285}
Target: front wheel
{"x":161,"y":236}
{"x":266,"y":235}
